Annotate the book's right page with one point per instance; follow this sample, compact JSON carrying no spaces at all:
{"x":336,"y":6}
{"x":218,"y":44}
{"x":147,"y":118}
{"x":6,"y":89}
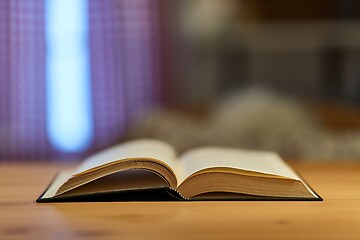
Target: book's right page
{"x":262,"y":162}
{"x":256,"y":161}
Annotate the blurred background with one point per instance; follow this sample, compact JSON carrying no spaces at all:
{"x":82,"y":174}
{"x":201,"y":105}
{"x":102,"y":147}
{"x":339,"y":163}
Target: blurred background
{"x":78,"y":75}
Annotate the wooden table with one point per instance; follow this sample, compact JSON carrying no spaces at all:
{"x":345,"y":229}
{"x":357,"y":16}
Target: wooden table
{"x":337,"y":217}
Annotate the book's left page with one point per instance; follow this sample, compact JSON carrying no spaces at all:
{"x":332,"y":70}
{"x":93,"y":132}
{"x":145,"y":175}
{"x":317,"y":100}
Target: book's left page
{"x":136,"y":149}
{"x":133,"y":162}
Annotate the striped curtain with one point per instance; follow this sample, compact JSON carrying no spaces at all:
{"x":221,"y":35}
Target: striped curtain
{"x":126,"y":78}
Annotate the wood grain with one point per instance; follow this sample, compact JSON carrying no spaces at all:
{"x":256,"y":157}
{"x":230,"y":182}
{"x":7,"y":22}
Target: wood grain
{"x":337,"y":217}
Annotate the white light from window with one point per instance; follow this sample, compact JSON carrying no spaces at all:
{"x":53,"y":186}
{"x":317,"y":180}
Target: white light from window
{"x":68,"y":87}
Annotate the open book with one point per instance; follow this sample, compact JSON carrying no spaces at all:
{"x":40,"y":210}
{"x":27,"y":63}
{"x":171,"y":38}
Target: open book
{"x":149,"y":169}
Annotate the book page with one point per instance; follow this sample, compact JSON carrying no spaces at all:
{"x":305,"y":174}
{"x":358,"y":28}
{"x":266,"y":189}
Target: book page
{"x":143,"y":148}
{"x":257,"y":161}
{"x":60,"y":179}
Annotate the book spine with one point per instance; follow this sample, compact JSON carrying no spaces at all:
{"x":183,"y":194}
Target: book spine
{"x":176,"y":194}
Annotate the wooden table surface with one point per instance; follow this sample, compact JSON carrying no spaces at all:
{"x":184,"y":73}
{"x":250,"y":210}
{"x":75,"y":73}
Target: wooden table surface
{"x":337,"y":217}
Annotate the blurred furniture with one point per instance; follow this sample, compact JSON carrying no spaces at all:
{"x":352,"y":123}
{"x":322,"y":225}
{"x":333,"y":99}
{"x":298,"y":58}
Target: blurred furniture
{"x":337,"y":217}
{"x":310,"y":48}
{"x":337,"y":117}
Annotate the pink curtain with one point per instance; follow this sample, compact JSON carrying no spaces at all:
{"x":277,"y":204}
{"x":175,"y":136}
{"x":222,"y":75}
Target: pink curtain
{"x":125,"y":52}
